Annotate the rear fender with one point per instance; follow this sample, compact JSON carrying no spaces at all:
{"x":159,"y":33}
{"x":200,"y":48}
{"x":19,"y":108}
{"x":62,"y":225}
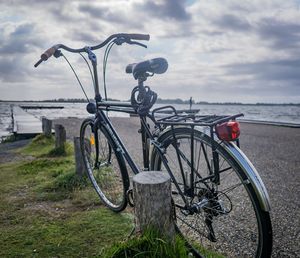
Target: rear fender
{"x":251,"y":173}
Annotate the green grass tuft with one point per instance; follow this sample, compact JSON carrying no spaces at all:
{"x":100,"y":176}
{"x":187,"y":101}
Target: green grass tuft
{"x":67,"y":150}
{"x":42,"y":165}
{"x":56,"y":152}
{"x":150,"y":245}
{"x":40,"y":145}
{"x":69,"y":182}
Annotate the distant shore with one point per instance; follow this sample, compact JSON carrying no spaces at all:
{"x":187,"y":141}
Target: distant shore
{"x":159,"y":101}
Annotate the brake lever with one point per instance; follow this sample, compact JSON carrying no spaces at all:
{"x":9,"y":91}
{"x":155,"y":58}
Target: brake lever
{"x":136,"y":43}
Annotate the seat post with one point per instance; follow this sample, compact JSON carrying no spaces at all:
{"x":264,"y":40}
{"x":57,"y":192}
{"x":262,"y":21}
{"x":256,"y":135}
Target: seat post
{"x":141,"y":80}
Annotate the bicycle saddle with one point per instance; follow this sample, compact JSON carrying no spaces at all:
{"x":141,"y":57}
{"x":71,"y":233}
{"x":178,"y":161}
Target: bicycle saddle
{"x":156,"y":65}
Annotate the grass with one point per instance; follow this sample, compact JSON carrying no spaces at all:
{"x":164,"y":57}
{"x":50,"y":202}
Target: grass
{"x":48,"y":211}
{"x":149,"y":245}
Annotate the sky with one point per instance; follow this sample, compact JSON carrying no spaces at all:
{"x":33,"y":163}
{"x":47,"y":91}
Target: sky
{"x":217,"y":51}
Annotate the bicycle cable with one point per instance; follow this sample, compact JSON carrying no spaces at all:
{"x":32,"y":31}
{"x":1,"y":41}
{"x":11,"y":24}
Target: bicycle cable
{"x":76,"y":76}
{"x":93,"y":79}
{"x":105,"y":58}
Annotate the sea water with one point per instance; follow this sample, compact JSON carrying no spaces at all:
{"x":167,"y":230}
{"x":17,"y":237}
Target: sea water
{"x":274,"y":113}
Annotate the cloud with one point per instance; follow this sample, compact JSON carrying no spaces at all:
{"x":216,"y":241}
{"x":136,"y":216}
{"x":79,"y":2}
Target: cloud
{"x":281,"y":34}
{"x":119,"y":14}
{"x":16,"y":45}
{"x":233,"y":22}
{"x":166,"y":9}
{"x":13,"y":70}
{"x":276,"y":70}
{"x":20,"y":41}
{"x":216,"y":50}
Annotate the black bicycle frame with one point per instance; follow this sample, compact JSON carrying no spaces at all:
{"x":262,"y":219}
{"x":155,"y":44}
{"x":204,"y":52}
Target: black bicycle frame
{"x":147,"y":137}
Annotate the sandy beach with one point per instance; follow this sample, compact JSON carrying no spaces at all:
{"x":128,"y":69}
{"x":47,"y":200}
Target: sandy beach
{"x":273,"y":150}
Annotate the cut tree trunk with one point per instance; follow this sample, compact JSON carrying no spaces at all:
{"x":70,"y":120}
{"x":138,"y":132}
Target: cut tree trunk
{"x":152,"y":202}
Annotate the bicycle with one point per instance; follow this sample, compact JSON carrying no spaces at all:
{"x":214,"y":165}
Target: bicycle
{"x":220,"y":201}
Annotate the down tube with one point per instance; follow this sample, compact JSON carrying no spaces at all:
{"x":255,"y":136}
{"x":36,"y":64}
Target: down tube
{"x":102,"y":118}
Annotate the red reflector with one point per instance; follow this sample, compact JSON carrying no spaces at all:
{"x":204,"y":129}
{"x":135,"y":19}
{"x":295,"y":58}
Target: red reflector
{"x":228,"y":131}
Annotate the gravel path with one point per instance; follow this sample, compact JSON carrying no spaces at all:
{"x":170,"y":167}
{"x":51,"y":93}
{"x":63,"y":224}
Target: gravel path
{"x":273,"y":150}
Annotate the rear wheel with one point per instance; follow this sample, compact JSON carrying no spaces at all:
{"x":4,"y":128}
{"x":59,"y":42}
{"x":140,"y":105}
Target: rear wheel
{"x":223,"y":219}
{"x":105,"y":165}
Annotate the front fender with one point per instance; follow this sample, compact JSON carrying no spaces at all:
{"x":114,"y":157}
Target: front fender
{"x":251,"y":174}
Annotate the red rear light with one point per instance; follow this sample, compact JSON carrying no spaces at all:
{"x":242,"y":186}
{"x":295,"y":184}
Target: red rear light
{"x":228,"y":131}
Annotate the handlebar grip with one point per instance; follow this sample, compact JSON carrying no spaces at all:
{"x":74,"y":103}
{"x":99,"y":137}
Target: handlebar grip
{"x":48,"y":53}
{"x":38,"y":62}
{"x":139,"y":36}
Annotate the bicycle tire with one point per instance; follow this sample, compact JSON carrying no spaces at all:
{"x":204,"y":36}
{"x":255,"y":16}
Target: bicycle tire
{"x":245,"y":231}
{"x":106,"y":170}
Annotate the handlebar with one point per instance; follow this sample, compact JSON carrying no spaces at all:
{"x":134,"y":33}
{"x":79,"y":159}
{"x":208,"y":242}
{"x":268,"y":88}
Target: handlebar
{"x":127,"y":37}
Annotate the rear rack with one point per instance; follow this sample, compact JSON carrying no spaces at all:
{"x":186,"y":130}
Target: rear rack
{"x":208,"y":120}
{"x":192,"y":119}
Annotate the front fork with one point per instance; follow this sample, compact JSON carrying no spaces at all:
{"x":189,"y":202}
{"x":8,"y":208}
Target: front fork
{"x":95,"y":133}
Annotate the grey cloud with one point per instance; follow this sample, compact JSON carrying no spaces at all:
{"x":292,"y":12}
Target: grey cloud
{"x":94,"y":11}
{"x":233,"y":22}
{"x":277,"y":70}
{"x":21,"y":40}
{"x":85,"y":37}
{"x":61,"y":15}
{"x":108,"y":15}
{"x":13,"y":70}
{"x":172,"y":9}
{"x":282,"y":35}
{"x":13,"y":51}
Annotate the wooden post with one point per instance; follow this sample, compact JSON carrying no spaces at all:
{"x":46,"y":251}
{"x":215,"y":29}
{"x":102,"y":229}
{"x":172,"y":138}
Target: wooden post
{"x":60,"y":137}
{"x":152,"y":202}
{"x":46,"y":126}
{"x":80,"y":167}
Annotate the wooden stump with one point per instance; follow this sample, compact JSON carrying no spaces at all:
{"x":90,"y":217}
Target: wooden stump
{"x":152,"y":202}
{"x":46,"y":126}
{"x":60,"y":137}
{"x":80,"y":167}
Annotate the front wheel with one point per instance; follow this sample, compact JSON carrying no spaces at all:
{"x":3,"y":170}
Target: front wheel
{"x":222,"y":220}
{"x":105,"y":166}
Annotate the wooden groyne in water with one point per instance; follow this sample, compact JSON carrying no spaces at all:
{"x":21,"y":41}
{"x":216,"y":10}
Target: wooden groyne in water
{"x":25,"y":123}
{"x":41,"y":107}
